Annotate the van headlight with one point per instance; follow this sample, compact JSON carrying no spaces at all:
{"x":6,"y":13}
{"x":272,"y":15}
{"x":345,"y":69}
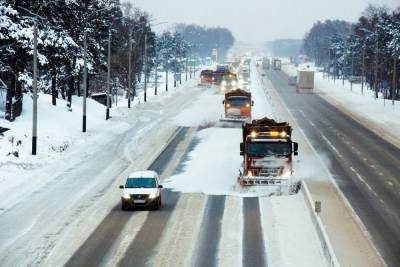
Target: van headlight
{"x":126,"y":196}
{"x":152,"y":196}
{"x":286,"y":173}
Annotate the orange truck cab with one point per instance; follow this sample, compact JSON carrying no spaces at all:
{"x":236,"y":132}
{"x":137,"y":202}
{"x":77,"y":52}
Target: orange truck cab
{"x":237,"y":105}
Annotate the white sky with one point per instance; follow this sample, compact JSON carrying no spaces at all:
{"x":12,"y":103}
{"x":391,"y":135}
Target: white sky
{"x":255,"y":21}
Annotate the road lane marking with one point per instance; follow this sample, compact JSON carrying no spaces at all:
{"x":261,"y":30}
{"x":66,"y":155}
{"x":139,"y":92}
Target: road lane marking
{"x":363,"y":181}
{"x":331,"y":146}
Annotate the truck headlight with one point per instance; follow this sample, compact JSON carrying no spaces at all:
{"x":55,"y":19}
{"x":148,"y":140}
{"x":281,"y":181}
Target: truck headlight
{"x":233,"y":83}
{"x":126,"y":196}
{"x":223,"y":83}
{"x":152,"y":196}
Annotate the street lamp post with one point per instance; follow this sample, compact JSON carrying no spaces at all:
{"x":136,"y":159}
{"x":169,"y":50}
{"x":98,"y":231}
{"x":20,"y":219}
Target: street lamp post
{"x":84,"y":82}
{"x":35,"y":95}
{"x":130,"y":70}
{"x":108,"y":75}
{"x":145,"y":67}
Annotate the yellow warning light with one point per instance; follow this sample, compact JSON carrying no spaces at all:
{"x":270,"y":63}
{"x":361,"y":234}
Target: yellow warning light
{"x":283,"y":134}
{"x":274,"y":134}
{"x":253,"y":134}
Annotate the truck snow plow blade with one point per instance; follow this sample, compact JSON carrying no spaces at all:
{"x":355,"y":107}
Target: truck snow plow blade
{"x":238,"y":120}
{"x":259,"y":180}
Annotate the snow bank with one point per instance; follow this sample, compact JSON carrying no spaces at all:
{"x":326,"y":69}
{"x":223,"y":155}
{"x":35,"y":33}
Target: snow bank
{"x":206,"y":109}
{"x":212,"y":167}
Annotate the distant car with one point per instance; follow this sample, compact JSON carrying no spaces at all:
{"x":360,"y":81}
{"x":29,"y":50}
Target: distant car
{"x":292,"y":80}
{"x":142,"y":189}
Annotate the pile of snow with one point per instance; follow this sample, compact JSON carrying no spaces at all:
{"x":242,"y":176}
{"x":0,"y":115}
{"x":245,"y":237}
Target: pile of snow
{"x":263,"y":106}
{"x":213,"y":166}
{"x":205,"y":110}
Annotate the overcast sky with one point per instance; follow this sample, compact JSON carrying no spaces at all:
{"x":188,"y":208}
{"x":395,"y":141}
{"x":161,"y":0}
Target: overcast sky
{"x":255,"y":21}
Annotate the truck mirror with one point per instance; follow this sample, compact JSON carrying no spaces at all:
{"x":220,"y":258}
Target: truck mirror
{"x":295,"y":148}
{"x":252,"y":102}
{"x":223,"y":102}
{"x":121,"y":186}
{"x":241,"y":153}
{"x":241,"y":148}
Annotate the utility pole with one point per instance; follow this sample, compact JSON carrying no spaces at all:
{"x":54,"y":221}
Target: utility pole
{"x":145,"y":67}
{"x":108,"y":75}
{"x":186,"y":69}
{"x":376,"y":69}
{"x":394,"y":76}
{"x":166,"y":77}
{"x":190,"y":67}
{"x":84,"y":81}
{"x":130,"y":69}
{"x":363,"y":70}
{"x":156,"y":74}
{"x":334,"y":65}
{"x":352,"y":72}
{"x":35,"y":94}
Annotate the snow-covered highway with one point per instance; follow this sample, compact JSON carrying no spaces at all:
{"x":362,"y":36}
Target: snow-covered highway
{"x":227,"y":228}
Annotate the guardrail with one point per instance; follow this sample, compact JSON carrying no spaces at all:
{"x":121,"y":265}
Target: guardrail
{"x":321,"y":232}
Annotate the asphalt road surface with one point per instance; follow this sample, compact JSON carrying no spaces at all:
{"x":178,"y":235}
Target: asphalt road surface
{"x":143,"y":247}
{"x":364,"y":165}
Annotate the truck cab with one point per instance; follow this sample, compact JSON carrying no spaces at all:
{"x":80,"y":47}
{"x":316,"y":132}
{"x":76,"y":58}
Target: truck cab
{"x":267,"y":151}
{"x":237,"y":106}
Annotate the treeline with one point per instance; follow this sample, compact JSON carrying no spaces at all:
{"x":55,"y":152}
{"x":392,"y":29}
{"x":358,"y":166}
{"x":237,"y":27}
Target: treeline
{"x":62,"y":28}
{"x":205,"y":39}
{"x":284,"y":47}
{"x":369,"y":49}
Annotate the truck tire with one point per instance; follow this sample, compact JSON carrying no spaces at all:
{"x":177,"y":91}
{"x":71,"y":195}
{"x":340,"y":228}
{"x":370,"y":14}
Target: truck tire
{"x":123,"y":207}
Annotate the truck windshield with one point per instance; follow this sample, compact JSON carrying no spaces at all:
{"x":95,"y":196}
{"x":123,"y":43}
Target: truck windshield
{"x":140,"y":183}
{"x":238,"y":101}
{"x":262,"y":149}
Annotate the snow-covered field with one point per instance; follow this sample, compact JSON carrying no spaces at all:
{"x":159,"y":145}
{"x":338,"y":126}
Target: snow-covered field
{"x":379,"y":112}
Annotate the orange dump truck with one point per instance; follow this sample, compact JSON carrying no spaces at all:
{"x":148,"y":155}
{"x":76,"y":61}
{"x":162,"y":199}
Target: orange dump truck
{"x":237,"y":106}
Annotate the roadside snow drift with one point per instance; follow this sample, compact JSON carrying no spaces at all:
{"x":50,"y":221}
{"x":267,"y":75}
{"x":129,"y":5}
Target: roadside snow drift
{"x":207,"y":108}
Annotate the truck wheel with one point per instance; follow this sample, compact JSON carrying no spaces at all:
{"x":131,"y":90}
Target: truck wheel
{"x":123,"y":207}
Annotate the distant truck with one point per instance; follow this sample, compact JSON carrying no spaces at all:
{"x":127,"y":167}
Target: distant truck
{"x":266,"y":63}
{"x":207,"y":77}
{"x":237,"y":106}
{"x":305,"y":81}
{"x":267,"y":151}
{"x":277,"y":64}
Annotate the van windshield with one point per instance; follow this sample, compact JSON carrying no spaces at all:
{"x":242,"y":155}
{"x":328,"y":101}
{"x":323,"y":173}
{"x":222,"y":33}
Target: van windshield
{"x":140,"y":183}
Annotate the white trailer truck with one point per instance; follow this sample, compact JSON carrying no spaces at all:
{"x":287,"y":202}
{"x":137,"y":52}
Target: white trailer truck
{"x":305,"y":81}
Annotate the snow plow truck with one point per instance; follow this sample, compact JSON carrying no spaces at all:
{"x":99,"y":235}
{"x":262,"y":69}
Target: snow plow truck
{"x":237,"y":106}
{"x":267,"y":151}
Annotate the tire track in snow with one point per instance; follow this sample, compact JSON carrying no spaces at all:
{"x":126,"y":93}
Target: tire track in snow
{"x":210,"y":232}
{"x":254,"y":253}
{"x":141,"y":250}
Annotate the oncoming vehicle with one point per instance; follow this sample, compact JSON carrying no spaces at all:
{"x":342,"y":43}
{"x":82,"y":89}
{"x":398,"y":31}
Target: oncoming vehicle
{"x":229,"y":82}
{"x":142,"y":189}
